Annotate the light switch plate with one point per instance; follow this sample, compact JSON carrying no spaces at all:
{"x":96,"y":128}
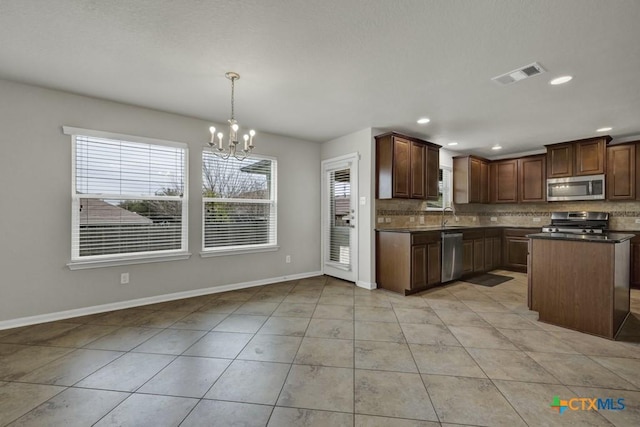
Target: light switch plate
{"x":421,"y":220}
{"x":536,"y":219}
{"x":637,"y":220}
{"x":387,"y":220}
{"x":412,"y":219}
{"x":363,"y":201}
{"x":380,"y":220}
{"x":494,"y":219}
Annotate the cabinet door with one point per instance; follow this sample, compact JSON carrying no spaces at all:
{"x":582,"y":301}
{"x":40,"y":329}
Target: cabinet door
{"x":484,"y":182}
{"x":433,"y":263}
{"x":488,"y":254}
{"x":497,"y":252}
{"x":467,"y":256}
{"x":418,"y":183}
{"x":621,"y":172}
{"x":475,"y":171}
{"x":401,"y":167}
{"x":504,"y":181}
{"x":478,"y":255}
{"x":515,"y":253}
{"x":635,"y":263}
{"x":590,"y":157}
{"x":560,"y":160}
{"x":418,"y":266}
{"x":532,"y":176}
{"x":433,"y":172}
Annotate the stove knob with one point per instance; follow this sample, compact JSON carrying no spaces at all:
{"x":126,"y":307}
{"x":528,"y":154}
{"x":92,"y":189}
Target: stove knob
{"x":557,"y":230}
{"x":591,"y":231}
{"x":584,"y":231}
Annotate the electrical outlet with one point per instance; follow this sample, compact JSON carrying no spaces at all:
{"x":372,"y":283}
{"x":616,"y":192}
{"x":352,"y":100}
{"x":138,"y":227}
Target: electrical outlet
{"x":421,"y":220}
{"x":380,"y":220}
{"x":387,"y":220}
{"x":287,"y":259}
{"x":494,"y":219}
{"x":637,"y":220}
{"x":473,"y":219}
{"x":412,"y":219}
{"x":457,"y":219}
{"x":536,"y":219}
{"x":124,"y":278}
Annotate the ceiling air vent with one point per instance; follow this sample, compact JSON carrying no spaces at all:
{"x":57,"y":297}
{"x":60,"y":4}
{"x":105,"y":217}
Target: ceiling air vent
{"x":519,"y":74}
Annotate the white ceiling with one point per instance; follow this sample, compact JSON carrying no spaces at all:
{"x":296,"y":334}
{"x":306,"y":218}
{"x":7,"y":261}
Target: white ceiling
{"x":319,"y":69}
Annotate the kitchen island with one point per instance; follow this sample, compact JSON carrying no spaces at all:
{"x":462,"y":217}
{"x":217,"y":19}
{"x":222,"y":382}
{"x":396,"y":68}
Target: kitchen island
{"x":580,"y":281}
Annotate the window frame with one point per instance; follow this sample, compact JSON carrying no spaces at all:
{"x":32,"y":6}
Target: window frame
{"x":448,"y":202}
{"x":273,"y":201}
{"x":78,"y":262}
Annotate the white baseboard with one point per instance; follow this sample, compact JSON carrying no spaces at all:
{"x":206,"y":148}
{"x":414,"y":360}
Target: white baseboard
{"x":366,"y":285}
{"x":68,"y":314}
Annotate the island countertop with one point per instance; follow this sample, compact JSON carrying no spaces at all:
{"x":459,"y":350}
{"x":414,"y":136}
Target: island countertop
{"x":596,"y":238}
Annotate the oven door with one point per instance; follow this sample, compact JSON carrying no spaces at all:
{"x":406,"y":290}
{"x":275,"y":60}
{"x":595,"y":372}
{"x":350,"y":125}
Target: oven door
{"x":589,"y":187}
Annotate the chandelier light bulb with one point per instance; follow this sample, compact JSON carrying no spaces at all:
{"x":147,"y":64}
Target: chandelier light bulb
{"x":213,"y":134}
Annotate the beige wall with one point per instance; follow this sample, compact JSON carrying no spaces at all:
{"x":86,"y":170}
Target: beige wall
{"x":35,"y":234}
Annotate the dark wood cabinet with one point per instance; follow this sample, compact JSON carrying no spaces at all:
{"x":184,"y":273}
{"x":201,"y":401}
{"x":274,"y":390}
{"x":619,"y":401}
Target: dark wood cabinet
{"x":560,"y":160}
{"x":516,"y":248}
{"x":590,"y":156}
{"x":432,"y":172}
{"x":532,"y":179}
{"x":418,"y":169}
{"x":467,"y":257}
{"x":470,"y":180}
{"x":406,"y":167}
{"x":621,"y":172}
{"x":492,"y":249}
{"x":503,"y":178}
{"x":478,"y":255}
{"x":407,"y":262}
{"x":634,"y":277}
{"x":577,"y":158}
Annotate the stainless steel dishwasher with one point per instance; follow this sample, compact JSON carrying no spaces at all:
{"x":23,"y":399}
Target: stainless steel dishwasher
{"x":451,"y":256}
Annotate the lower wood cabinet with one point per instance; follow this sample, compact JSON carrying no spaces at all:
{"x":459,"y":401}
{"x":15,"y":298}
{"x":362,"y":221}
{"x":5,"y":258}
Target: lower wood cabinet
{"x":634,"y":277}
{"x":407,"y":262}
{"x":516,"y":248}
{"x":481,"y":250}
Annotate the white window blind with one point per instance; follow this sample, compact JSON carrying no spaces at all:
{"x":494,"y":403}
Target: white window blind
{"x":238,"y":203}
{"x":129,"y":198}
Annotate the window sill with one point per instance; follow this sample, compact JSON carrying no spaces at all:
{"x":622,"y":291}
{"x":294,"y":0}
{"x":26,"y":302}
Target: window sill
{"x":113,"y":262}
{"x":238,"y":251}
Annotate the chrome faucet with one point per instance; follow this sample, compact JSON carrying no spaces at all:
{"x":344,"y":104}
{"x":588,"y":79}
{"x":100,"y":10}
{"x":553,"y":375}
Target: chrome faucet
{"x":448,"y":208}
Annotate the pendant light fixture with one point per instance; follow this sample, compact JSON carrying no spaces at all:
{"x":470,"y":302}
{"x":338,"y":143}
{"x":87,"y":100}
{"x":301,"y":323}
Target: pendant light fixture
{"x":232,"y":149}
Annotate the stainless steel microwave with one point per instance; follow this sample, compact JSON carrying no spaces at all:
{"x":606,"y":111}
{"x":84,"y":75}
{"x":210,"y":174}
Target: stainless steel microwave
{"x":590,"y":187}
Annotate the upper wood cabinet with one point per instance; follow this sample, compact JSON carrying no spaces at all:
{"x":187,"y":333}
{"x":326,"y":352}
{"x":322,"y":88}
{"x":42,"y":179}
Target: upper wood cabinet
{"x":621,"y":172}
{"x":503,"y":181}
{"x":406,"y":167}
{"x":577,"y":158}
{"x":560,"y":160}
{"x":470,"y":180}
{"x":532,"y":178}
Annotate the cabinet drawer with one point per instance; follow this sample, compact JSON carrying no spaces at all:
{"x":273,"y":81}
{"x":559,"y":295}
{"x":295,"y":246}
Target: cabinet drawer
{"x":424,"y":238}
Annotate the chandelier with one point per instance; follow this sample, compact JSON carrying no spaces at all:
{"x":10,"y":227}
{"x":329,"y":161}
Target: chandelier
{"x":232,"y":149}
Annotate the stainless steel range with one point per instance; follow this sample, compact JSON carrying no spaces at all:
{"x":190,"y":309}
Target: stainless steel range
{"x":578,"y":223}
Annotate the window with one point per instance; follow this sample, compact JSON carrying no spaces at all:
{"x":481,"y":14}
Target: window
{"x":238,"y":204}
{"x":445,"y":196}
{"x":129,"y":198}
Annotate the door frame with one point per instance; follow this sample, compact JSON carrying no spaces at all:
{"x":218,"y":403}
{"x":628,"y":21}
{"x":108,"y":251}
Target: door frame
{"x":354,"y":159}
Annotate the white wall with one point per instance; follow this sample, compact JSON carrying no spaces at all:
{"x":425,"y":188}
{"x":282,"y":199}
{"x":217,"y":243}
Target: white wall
{"x":35,"y":196}
{"x":360,"y":142}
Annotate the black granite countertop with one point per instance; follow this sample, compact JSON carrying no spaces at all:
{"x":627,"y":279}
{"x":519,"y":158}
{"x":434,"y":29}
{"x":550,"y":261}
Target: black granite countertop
{"x":596,"y":238}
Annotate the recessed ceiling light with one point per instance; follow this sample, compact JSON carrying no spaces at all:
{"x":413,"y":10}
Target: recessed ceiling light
{"x":496,"y":147}
{"x":560,"y":80}
{"x":423,"y":120}
{"x":605,"y":129}
{"x":452,"y":143}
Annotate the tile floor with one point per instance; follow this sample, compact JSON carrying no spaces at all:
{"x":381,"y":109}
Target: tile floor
{"x":318,"y":352}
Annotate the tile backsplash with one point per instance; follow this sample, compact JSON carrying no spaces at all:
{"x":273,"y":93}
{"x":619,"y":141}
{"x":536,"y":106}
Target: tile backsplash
{"x":399,"y":213}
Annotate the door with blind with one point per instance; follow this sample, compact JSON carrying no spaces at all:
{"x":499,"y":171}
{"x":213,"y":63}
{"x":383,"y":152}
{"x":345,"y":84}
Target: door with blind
{"x":339,"y":213}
